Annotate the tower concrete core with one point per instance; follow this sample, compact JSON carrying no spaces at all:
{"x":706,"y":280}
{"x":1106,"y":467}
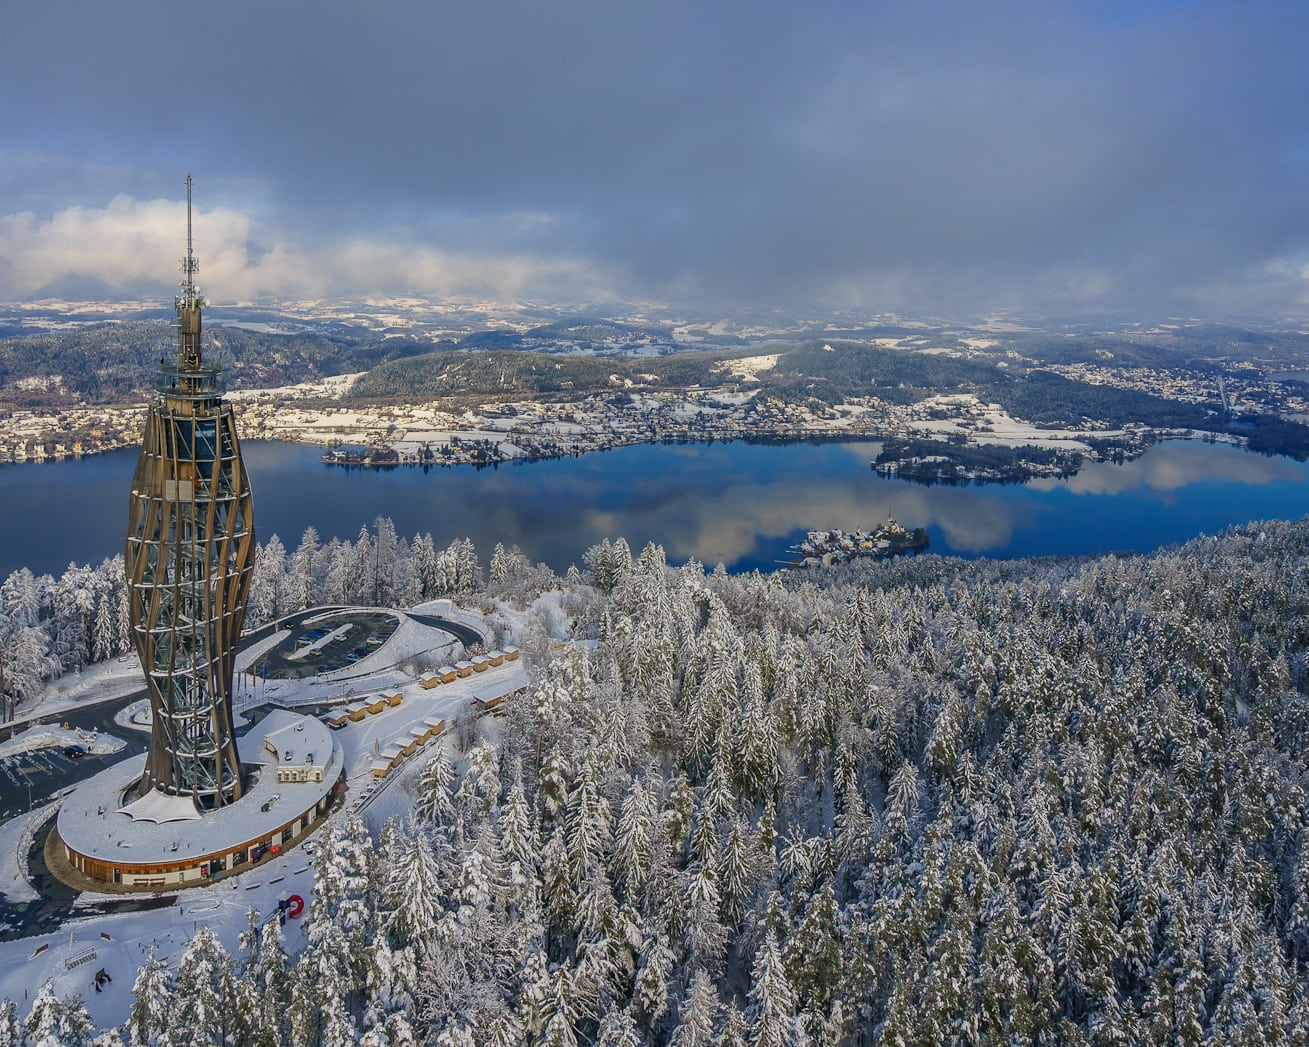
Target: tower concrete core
{"x":190,"y":551}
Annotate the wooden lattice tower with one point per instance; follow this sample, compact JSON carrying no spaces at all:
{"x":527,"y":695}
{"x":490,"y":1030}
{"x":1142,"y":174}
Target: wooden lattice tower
{"x":190,"y":550}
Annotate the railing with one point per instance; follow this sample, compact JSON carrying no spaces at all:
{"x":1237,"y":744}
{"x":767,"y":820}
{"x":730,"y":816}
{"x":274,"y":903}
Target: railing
{"x":81,"y":958}
{"x":203,"y":391}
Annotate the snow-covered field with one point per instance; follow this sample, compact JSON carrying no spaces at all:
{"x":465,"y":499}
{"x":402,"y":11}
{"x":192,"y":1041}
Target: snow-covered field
{"x":116,"y":678}
{"x":968,"y":411}
{"x":335,"y":385}
{"x":750,"y":367}
{"x":119,"y":943}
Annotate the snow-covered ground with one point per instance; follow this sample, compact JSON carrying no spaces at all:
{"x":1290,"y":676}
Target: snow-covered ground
{"x":135,"y":717}
{"x":46,"y":737}
{"x":116,"y":678}
{"x":119,"y":943}
{"x":15,"y":841}
{"x":1003,"y":428}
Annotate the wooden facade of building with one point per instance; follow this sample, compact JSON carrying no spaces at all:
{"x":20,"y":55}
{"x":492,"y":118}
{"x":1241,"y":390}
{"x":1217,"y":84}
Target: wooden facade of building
{"x":189,"y":555}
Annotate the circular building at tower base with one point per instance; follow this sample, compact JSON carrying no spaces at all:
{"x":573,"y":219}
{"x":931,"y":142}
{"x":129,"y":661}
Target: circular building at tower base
{"x":159,"y":842}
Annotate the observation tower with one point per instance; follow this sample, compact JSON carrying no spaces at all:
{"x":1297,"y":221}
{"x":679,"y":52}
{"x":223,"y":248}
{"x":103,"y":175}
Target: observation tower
{"x":190,"y":551}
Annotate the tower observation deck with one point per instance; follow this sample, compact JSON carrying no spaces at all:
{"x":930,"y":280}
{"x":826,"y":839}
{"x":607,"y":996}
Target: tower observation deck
{"x":190,"y":551}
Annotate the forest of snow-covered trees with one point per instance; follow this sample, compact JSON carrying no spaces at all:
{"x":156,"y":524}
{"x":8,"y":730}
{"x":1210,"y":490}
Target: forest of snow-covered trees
{"x":926,"y":801}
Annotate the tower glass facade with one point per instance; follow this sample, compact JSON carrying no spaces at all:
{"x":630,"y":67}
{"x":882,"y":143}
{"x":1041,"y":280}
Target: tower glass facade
{"x":190,"y":551}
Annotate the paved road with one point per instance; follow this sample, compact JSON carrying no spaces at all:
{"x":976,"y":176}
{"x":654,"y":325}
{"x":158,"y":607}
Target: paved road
{"x":465,"y":634}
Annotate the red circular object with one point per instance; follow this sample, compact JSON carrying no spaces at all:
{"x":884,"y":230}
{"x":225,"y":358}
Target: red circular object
{"x":295,"y":905}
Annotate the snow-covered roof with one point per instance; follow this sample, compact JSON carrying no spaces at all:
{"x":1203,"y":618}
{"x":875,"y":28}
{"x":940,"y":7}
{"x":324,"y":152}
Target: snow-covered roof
{"x":159,"y":808}
{"x":94,"y":823}
{"x":304,"y":741}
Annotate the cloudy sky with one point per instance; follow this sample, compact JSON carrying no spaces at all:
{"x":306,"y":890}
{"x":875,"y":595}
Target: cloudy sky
{"x":928,"y":157}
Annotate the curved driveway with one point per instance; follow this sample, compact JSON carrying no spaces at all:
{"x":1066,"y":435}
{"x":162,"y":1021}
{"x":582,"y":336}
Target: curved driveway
{"x":466,"y":634}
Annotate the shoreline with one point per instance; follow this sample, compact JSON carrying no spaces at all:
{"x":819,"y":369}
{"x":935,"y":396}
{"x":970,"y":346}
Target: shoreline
{"x":482,"y":454}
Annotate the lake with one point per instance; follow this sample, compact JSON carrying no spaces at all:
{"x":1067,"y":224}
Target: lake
{"x":736,"y":503}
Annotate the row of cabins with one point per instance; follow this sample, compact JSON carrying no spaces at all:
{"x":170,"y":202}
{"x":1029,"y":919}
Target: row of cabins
{"x":400,"y":748}
{"x":359,"y":710}
{"x":479,"y":663}
{"x":397,"y":750}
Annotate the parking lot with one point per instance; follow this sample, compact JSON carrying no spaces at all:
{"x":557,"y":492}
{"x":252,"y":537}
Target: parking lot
{"x":26,"y":779}
{"x":25,"y":770}
{"x":326,"y":642}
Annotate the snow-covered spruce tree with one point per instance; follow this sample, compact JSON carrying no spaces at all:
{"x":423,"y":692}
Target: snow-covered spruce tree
{"x":414,"y":890}
{"x":269,"y":588}
{"x":698,"y":1017}
{"x":57,"y":1022}
{"x":202,"y":998}
{"x":329,"y":979}
{"x":152,"y":1002}
{"x":435,"y":802}
{"x":104,"y":635}
{"x":268,"y":987}
{"x":11,"y":1029}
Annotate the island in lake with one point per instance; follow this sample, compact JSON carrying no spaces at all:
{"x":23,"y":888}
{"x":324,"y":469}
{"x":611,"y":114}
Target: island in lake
{"x":825,"y":548}
{"x":957,"y":460}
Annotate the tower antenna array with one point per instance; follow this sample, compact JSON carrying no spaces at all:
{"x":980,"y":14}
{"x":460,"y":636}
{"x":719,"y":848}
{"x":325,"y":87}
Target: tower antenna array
{"x":189,"y":298}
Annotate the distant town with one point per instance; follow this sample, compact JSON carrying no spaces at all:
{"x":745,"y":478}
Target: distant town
{"x":424,"y":434}
{"x":945,"y":407}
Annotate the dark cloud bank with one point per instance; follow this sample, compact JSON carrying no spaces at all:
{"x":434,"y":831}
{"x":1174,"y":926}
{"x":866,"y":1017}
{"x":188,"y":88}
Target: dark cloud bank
{"x":932,"y":157}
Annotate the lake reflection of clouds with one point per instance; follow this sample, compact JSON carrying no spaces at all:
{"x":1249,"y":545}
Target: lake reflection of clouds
{"x":724,"y":509}
{"x":733,"y":503}
{"x":726,"y":524}
{"x":1173,"y":465}
{"x":740,"y":504}
{"x":972,"y":522}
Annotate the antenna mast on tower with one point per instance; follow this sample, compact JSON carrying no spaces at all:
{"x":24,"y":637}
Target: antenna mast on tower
{"x":189,"y":303}
{"x":189,"y":298}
